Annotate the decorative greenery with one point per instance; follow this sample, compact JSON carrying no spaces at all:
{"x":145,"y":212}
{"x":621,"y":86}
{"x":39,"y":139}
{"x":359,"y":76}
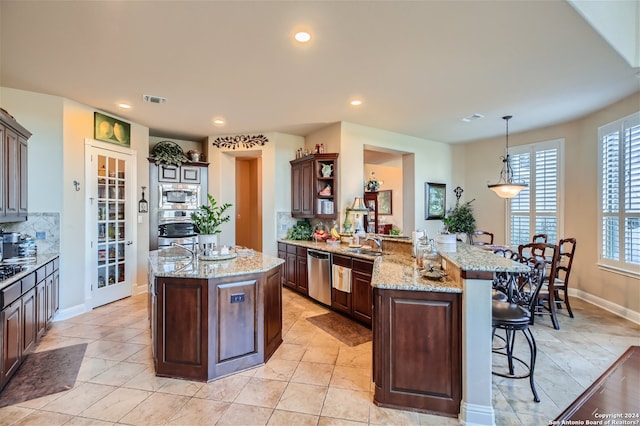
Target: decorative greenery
{"x":395,"y":232}
{"x":460,"y":219}
{"x":209,"y":217}
{"x":300,"y":231}
{"x":373,"y":184}
{"x":168,"y":152}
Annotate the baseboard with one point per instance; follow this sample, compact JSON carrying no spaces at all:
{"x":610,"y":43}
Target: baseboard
{"x":73,"y":311}
{"x":607,"y":305}
{"x":140,"y":289}
{"x":476,"y":415}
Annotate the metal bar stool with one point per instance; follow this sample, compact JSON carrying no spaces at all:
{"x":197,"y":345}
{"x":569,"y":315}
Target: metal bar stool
{"x":515,"y":315}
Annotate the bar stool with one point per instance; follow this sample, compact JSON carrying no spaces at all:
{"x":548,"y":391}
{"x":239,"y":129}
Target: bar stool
{"x":515,"y":315}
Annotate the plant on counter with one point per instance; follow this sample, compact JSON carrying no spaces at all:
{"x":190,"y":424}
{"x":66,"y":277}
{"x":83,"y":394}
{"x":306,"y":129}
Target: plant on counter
{"x":168,"y":152}
{"x":460,"y":219}
{"x":210,"y":216}
{"x":300,"y":231}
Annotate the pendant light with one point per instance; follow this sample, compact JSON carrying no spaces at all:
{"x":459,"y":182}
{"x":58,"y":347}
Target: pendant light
{"x":506,"y":188}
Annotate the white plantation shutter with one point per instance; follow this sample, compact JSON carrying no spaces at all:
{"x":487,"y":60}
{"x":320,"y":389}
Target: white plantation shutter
{"x":620,"y":193}
{"x":536,"y":210}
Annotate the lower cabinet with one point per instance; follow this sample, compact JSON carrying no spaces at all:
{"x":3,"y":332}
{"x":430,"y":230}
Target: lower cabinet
{"x":295,"y":267}
{"x":272,"y":312}
{"x":27,"y":307}
{"x":417,"y":355}
{"x":359,"y":303}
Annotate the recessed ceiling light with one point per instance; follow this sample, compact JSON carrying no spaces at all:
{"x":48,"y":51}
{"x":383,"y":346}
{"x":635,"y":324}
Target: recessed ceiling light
{"x":356,"y":102}
{"x":302,"y":36}
{"x":124,"y":106}
{"x":471,"y":118}
{"x":218,"y":121}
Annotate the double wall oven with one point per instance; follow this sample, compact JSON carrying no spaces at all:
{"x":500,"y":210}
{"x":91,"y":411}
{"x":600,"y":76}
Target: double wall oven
{"x":171,"y":205}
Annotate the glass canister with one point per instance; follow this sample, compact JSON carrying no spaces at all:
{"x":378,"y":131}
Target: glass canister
{"x":430,"y":256}
{"x":421,"y":248}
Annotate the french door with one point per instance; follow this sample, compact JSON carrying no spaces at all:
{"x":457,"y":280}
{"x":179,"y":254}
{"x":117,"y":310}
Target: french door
{"x":110,"y":177}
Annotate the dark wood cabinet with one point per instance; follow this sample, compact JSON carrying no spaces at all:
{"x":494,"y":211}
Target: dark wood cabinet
{"x":282,"y":254}
{"x":295,"y":267}
{"x":13,"y":159}
{"x":272,"y":313}
{"x":417,"y":358}
{"x":357,"y":304}
{"x":41,"y":307}
{"x":314,"y":186}
{"x":371,"y":201}
{"x":11,"y":317}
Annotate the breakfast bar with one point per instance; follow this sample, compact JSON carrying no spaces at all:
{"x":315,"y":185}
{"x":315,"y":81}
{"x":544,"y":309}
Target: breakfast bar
{"x":211,"y":318}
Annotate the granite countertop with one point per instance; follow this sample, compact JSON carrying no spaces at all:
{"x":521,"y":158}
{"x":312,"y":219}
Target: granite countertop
{"x":398,"y":271}
{"x":31,"y":265}
{"x":177,"y":262}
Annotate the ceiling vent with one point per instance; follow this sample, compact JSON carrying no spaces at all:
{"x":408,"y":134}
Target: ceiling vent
{"x":472,"y":117}
{"x":154,"y":99}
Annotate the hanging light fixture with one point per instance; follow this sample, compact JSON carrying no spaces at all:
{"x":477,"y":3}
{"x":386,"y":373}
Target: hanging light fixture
{"x":506,"y":188}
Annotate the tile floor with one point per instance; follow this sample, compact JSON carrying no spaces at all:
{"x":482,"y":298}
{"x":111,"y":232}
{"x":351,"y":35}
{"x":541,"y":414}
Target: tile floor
{"x":312,"y":379}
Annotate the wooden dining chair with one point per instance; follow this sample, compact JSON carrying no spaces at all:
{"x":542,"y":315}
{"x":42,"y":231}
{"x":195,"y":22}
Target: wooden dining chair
{"x":539,"y":238}
{"x":531,"y":254}
{"x":566,"y":251}
{"x":481,"y":238}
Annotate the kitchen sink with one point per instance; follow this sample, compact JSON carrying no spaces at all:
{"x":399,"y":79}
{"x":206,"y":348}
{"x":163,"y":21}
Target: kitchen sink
{"x":367,"y":252}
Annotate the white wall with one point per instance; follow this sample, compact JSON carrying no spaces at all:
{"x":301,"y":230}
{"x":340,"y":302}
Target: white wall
{"x":618,"y":292}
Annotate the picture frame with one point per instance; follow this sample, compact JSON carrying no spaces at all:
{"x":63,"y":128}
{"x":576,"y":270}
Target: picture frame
{"x":385,"y":202}
{"x":112,"y":130}
{"x":435,"y":200}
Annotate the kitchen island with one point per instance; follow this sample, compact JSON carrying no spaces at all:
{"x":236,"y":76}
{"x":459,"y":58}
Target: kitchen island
{"x":432,"y":339}
{"x":213,"y":318}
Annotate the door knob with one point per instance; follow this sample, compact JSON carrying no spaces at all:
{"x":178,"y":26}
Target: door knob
{"x":129,"y":243}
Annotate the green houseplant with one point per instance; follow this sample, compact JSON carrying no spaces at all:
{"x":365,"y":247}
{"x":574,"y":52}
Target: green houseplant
{"x":169,"y":153}
{"x":210,"y":216}
{"x":460,"y":220}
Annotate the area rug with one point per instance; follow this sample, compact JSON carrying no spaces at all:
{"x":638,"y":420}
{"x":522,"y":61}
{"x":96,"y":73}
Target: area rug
{"x":44,"y":373}
{"x":612,"y":398}
{"x":347,"y":331}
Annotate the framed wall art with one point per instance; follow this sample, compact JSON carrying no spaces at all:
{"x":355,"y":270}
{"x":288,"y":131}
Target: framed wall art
{"x":109,"y":129}
{"x":384,"y":202}
{"x":435,"y":200}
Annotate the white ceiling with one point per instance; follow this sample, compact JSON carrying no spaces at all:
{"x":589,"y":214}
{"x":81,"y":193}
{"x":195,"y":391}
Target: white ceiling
{"x":419,"y":66}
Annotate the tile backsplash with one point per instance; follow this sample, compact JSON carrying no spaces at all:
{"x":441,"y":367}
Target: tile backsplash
{"x":45,"y":227}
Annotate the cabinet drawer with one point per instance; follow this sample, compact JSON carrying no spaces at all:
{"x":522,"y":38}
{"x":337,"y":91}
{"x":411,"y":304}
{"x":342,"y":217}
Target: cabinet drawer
{"x":282,"y":247}
{"x":340,"y":260}
{"x":362,"y":266}
{"x":301,"y":251}
{"x":49,"y":268}
{"x":291,"y":249}
{"x":9,"y":294}
{"x":28,"y":282}
{"x":41,"y":273}
{"x":56,"y":264}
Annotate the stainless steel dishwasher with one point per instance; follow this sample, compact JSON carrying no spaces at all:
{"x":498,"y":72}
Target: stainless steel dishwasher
{"x":319,"y":276}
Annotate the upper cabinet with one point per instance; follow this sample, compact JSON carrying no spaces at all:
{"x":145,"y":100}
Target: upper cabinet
{"x":13,"y":179}
{"x":314,"y":186}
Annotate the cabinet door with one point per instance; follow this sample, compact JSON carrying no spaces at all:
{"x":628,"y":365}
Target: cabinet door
{"x":361,"y":297}
{"x":21,"y":185}
{"x":49,"y":296}
{"x":301,"y":275}
{"x":340,"y":300}
{"x":190,"y":174}
{"x":291,"y":270}
{"x":12,"y":196}
{"x":55,"y":294}
{"x":12,"y":354}
{"x":29,"y":321}
{"x":41,"y":307}
{"x":3,"y":181}
{"x":307,"y":195}
{"x":282,"y":254}
{"x":272,"y":313}
{"x":168,"y":173}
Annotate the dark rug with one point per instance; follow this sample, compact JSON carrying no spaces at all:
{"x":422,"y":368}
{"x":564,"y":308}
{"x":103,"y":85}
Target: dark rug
{"x":44,"y":373}
{"x":347,"y":331}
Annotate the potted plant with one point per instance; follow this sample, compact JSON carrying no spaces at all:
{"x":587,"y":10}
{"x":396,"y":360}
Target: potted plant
{"x":169,"y":153}
{"x":208,"y":220}
{"x":460,"y":220}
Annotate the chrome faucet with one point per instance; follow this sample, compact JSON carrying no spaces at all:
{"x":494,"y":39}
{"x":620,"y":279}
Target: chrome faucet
{"x":192,"y":251}
{"x":376,"y":239}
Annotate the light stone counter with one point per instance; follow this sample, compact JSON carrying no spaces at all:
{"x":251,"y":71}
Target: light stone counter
{"x":177,"y":262}
{"x":29,"y":266}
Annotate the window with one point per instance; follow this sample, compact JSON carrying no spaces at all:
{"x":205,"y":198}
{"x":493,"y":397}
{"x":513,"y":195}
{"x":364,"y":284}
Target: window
{"x":537,"y":209}
{"x":619,"y":201}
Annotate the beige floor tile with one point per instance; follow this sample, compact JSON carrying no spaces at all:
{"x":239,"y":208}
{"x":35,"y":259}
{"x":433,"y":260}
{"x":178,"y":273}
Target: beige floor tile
{"x":225,"y":389}
{"x":84,"y":421}
{"x":146,"y":380}
{"x":276,"y":369}
{"x":79,"y":398}
{"x":155,"y":410}
{"x":143,"y":356}
{"x":354,"y":357}
{"x":313,"y":373}
{"x":181,"y":387}
{"x":330,"y":421}
{"x":42,"y":418}
{"x":240,"y":414}
{"x":11,"y":414}
{"x":116,"y":405}
{"x":432,"y":420}
{"x":303,"y":398}
{"x":117,"y":351}
{"x":351,"y":378}
{"x":92,"y":367}
{"x":261,"y":392}
{"x":281,"y":418}
{"x":322,"y":354}
{"x":38,"y":403}
{"x":290,"y":352}
{"x":347,"y":404}
{"x":201,"y":412}
{"x":125,"y":335}
{"x":118,"y":375}
{"x":387,"y":416}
